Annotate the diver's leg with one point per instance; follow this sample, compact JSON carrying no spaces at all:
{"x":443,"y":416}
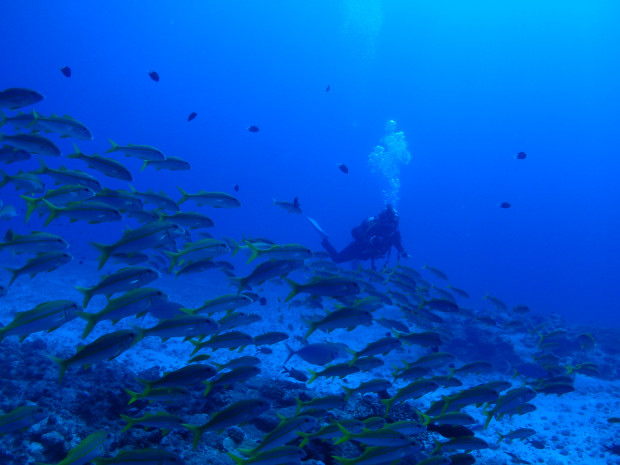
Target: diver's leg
{"x":350,"y":252}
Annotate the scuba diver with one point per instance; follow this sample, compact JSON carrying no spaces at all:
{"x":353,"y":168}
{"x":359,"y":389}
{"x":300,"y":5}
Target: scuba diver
{"x":372,"y":239}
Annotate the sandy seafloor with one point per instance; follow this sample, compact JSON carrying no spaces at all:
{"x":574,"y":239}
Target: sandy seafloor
{"x":573,"y":427}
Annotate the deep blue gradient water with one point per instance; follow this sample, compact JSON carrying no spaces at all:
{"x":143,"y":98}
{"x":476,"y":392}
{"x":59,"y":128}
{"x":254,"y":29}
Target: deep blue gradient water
{"x":469,"y":84}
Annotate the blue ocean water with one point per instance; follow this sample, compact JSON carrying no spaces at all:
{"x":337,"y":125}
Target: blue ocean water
{"x":469,"y":86}
{"x":426,"y":103}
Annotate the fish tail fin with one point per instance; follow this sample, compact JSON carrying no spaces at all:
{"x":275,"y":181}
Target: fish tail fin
{"x":196,"y":431}
{"x":87,"y":291}
{"x":240,"y":282}
{"x":426,"y":420}
{"x":306,"y":439}
{"x":91,"y":321}
{"x":501,"y":437}
{"x":208,"y":389}
{"x":234,"y":246}
{"x":489,"y":416}
{"x":43,"y":169}
{"x":196,"y":345}
{"x":314,"y":376}
{"x":346,"y":434}
{"x":184,"y":195}
{"x":290,"y":352}
{"x":31,"y":205}
{"x":134,"y":395}
{"x":106,"y":251}
{"x":53,"y":212}
{"x":295,"y":287}
{"x":14,"y":274}
{"x":130,"y":422}
{"x":174,"y":257}
{"x":312,"y":327}
{"x":114,"y":147}
{"x":4,"y":178}
{"x":255,"y":252}
{"x":569,"y":369}
{"x":148,"y":386}
{"x":388,"y":404}
{"x":144,"y":165}
{"x":75,"y":154}
{"x":348,"y":392}
{"x":63,"y":364}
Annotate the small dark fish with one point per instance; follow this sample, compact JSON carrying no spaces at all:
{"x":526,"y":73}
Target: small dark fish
{"x":154,"y":75}
{"x":265,"y":350}
{"x":66,"y":71}
{"x":236,"y":187}
{"x":262,"y":301}
{"x":253,"y":129}
{"x":192,"y":115}
{"x":342,"y":167}
{"x":504,"y":205}
{"x":296,"y":374}
{"x":327,"y":89}
{"x":521,"y":156}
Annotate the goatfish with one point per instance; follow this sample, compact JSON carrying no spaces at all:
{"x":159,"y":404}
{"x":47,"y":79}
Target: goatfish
{"x":287,"y":430}
{"x":223,"y":303}
{"x":107,"y":166}
{"x":144,"y":152}
{"x":142,"y":457}
{"x":125,"y":279}
{"x":42,"y":262}
{"x":66,"y":176}
{"x":35,"y":243}
{"x":345,"y":317}
{"x":66,"y":126}
{"x":47,"y":316}
{"x":210,"y":199}
{"x":233,"y":415}
{"x":267,"y":270}
{"x":18,"y":97}
{"x":381,"y":454}
{"x":279,"y":252}
{"x":107,"y":347}
{"x":185,"y":326}
{"x":58,"y":197}
{"x":10,"y":155}
{"x":151,"y":235}
{"x":134,"y":302}
{"x":163,"y":420}
{"x":170,"y":163}
{"x":28,"y":182}
{"x":91,"y":212}
{"x":199,"y":250}
{"x":331,"y":286}
{"x":159,"y":199}
{"x":31,"y":143}
{"x":91,"y":447}
{"x":21,"y":418}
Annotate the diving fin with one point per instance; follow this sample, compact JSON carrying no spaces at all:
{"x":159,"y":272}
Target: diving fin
{"x":318,"y":228}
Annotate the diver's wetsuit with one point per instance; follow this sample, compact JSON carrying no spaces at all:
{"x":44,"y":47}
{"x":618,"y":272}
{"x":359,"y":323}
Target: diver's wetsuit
{"x":374,"y":238}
